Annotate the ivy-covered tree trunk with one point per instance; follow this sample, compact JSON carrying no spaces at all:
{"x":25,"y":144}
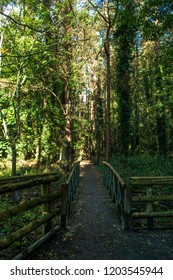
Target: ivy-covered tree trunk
{"x":124,"y":109}
{"x":161,"y":116}
{"x":99,"y":123}
{"x":123,"y":90}
{"x":67,"y":133}
{"x":160,"y":104}
{"x":135,"y":139}
{"x":125,"y":35}
{"x":68,"y":73}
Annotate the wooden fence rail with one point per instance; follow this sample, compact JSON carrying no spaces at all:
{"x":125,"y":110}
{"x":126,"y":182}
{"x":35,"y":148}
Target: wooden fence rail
{"x":119,"y":192}
{"x":63,"y":196}
{"x":67,"y":193}
{"x":19,"y":178}
{"x":151,"y":199}
{"x":142,"y":201}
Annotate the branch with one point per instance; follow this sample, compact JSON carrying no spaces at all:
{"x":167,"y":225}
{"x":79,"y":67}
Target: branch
{"x":71,"y":8}
{"x":62,"y":108}
{"x":97,"y":10}
{"x":23,"y":56}
{"x":22,"y":24}
{"x":108,"y":21}
{"x":113,"y":21}
{"x":106,"y":49}
{"x":5,"y":129}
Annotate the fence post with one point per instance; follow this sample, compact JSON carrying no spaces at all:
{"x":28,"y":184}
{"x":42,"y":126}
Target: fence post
{"x":46,"y":207}
{"x":106,"y":175}
{"x":149,"y":208}
{"x":113,"y":188}
{"x":127,"y":206}
{"x":64,"y":191}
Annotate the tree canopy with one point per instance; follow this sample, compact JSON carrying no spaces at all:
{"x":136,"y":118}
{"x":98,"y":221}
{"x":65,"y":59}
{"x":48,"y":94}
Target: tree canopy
{"x":85,"y":77}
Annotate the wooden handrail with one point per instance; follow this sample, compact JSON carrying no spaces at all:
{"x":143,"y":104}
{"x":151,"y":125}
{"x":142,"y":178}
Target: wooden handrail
{"x":115,"y":173}
{"x":152,"y":177}
{"x":29,"y":204}
{"x":145,"y":181}
{"x":119,"y":192}
{"x":17,"y":235}
{"x":136,"y":200}
{"x":75,"y":166}
{"x":11,"y":187}
{"x":67,"y":190}
{"x":46,"y":199}
{"x":18,"y":178}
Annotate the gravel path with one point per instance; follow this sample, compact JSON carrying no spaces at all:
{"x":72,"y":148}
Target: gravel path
{"x":94,"y":231}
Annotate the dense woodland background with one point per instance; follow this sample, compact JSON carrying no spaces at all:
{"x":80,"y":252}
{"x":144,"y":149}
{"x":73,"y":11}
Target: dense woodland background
{"x":85,"y":77}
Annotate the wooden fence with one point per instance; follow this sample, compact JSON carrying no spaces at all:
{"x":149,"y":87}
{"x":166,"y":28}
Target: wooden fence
{"x":151,"y":202}
{"x":61,"y":195}
{"x":119,"y":192}
{"x":146,"y":202}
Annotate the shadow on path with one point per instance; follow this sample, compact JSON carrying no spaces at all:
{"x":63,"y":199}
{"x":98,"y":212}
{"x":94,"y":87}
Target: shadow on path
{"x":94,"y":231}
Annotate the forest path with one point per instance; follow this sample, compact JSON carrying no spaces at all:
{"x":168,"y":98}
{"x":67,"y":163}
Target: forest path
{"x":94,"y":231}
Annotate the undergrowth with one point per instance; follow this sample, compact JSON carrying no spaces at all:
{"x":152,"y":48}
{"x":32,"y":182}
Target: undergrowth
{"x":27,"y":167}
{"x":142,"y":165}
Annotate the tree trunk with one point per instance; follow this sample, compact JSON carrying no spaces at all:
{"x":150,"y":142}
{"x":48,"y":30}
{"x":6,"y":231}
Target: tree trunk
{"x":13,"y":169}
{"x":66,"y":148}
{"x":135,"y":138}
{"x":98,"y":122}
{"x":125,"y":34}
{"x":13,"y":152}
{"x":160,"y":109}
{"x":108,"y":96}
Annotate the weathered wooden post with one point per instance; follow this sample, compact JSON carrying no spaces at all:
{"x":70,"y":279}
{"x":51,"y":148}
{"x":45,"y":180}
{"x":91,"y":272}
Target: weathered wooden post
{"x":127,"y":206}
{"x":149,"y":208}
{"x":64,"y":191}
{"x":110,"y":182}
{"x":117,"y":194}
{"x":106,"y":176}
{"x":113,"y":188}
{"x":46,"y":207}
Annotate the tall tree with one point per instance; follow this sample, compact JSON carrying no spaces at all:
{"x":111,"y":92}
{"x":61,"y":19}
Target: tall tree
{"x":156,"y":27}
{"x":125,"y":35}
{"x":107,"y":13}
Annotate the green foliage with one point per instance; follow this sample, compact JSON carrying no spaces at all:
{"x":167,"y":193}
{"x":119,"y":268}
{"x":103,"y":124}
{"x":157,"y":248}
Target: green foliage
{"x":142,"y":165}
{"x":15,"y":222}
{"x":49,"y":49}
{"x":124,"y":39}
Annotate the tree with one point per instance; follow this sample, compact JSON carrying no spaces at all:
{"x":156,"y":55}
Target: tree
{"x":156,"y":26}
{"x":125,"y":35}
{"x":91,"y":76}
{"x":108,"y":15}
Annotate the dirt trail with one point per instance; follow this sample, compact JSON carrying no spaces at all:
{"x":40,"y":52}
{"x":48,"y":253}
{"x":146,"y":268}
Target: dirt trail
{"x":94,"y":231}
